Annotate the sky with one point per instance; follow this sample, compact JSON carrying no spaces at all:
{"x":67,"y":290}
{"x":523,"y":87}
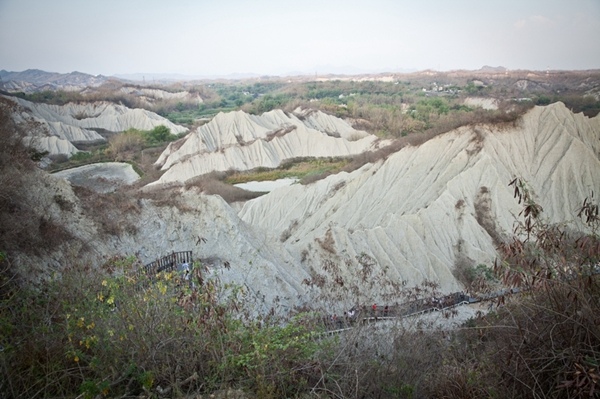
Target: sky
{"x":279,"y":37}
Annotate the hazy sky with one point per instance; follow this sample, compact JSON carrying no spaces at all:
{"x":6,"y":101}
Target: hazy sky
{"x":279,"y":36}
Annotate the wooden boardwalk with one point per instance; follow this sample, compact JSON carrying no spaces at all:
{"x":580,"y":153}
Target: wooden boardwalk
{"x":368,"y":317}
{"x":167,"y":263}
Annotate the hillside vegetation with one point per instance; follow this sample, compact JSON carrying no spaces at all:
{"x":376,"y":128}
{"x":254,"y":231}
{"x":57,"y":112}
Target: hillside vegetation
{"x":391,"y":105}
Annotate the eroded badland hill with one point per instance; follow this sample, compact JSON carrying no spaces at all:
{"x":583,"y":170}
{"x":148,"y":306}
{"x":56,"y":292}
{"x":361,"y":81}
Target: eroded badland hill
{"x":417,"y":210}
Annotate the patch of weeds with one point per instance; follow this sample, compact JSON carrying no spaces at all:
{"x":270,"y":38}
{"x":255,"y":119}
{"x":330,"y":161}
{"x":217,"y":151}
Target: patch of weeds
{"x":301,"y":168}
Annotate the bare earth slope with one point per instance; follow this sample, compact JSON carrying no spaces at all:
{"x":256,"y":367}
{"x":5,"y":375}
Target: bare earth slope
{"x":149,"y":96}
{"x":424,"y":206}
{"x":102,"y":177}
{"x":240,"y":141}
{"x":148,"y":230}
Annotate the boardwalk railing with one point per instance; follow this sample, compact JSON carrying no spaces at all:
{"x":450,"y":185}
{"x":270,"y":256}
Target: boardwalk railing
{"x":167,"y":263}
{"x":335,"y":324}
{"x":341,"y":325}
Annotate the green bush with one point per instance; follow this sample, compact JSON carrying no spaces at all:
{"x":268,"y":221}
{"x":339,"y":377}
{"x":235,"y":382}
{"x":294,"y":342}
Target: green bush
{"x":81,"y":156}
{"x":268,"y":103}
{"x":159,"y":134}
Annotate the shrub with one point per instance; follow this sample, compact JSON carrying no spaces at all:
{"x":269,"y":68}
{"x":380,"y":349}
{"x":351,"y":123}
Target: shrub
{"x":477,"y":279}
{"x":556,"y":348}
{"x":81,"y":156}
{"x":113,"y":332}
{"x":129,"y":141}
{"x":328,"y":242}
{"x":159,"y":134}
{"x":104,"y":335}
{"x":543,"y":341}
{"x":128,"y":144}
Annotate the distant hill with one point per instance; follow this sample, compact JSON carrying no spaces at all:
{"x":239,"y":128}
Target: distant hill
{"x":487,"y":68}
{"x":176,"y":77}
{"x":34,"y":80}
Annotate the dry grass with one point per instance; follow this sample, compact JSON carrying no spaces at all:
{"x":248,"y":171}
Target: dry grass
{"x":484,"y":216}
{"x":328,"y":242}
{"x":210,"y":184}
{"x":306,"y":169}
{"x":121,"y":146}
{"x":113,"y":212}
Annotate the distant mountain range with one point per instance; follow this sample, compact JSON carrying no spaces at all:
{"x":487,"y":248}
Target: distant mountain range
{"x":33,"y":80}
{"x":171,"y":77}
{"x":498,"y":69}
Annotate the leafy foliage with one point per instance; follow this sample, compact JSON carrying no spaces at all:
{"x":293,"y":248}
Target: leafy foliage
{"x":159,"y":134}
{"x":543,"y":339}
{"x":118,"y":332}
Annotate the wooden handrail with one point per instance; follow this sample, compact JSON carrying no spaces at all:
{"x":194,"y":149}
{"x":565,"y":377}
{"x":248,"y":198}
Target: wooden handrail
{"x":167,"y":263}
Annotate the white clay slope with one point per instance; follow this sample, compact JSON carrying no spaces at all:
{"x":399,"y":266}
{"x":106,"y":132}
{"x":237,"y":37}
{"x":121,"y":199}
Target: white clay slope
{"x":414,"y":214}
{"x":240,"y":141}
{"x":101,"y":115}
{"x":418,"y":211}
{"x":74,"y":123}
{"x":206,"y":225}
{"x":51,"y":136}
{"x":149,"y":96}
